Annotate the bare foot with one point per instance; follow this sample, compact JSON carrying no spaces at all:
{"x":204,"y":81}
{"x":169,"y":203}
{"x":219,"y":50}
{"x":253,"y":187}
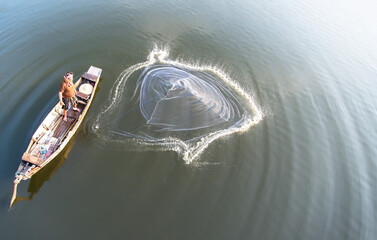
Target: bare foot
{"x":65,"y":119}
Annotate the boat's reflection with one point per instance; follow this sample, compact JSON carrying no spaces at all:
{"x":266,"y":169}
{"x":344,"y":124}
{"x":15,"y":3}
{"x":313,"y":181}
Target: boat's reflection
{"x":37,"y":180}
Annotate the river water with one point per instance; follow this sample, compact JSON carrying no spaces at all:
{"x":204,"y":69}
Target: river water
{"x":306,"y":170}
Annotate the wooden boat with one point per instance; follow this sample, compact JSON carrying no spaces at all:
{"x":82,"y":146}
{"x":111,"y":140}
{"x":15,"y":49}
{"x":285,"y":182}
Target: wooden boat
{"x":53,"y":134}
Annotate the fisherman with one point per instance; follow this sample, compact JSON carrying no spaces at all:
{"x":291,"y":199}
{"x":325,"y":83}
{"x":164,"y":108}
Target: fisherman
{"x":67,"y":94}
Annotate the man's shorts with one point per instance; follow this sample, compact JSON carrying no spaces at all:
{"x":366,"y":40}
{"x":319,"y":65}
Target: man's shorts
{"x":68,"y":101}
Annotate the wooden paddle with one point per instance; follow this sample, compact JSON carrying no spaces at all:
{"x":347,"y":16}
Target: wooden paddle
{"x":16,"y":182}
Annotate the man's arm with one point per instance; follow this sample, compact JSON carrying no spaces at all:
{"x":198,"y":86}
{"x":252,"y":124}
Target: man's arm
{"x":61,"y":98}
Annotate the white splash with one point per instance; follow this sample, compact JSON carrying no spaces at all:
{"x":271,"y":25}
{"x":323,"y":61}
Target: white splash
{"x":188,"y":150}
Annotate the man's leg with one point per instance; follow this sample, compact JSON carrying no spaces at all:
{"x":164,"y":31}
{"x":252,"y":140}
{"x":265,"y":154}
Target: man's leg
{"x":74,"y":103}
{"x":65,"y":108}
{"x":64,"y":115}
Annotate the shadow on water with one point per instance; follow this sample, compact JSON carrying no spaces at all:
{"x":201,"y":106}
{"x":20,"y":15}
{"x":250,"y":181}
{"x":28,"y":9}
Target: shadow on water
{"x":37,"y":181}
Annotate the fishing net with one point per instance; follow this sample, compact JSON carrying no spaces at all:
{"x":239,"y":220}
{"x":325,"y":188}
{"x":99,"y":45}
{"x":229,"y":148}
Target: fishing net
{"x":174,"y":99}
{"x":167,"y":105}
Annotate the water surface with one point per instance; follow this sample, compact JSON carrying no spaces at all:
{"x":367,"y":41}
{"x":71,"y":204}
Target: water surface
{"x":306,"y":171}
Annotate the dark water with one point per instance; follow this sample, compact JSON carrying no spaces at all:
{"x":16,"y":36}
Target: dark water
{"x":306,"y":171}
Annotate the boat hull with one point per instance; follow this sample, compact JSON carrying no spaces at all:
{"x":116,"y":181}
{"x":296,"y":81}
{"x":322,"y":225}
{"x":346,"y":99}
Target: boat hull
{"x":53,"y":134}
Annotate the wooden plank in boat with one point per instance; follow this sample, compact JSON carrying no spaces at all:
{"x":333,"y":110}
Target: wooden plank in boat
{"x":90,"y":77}
{"x":82,"y":95}
{"x":81,"y":102}
{"x":63,"y":127}
{"x":32,"y":159}
{"x":74,"y":114}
